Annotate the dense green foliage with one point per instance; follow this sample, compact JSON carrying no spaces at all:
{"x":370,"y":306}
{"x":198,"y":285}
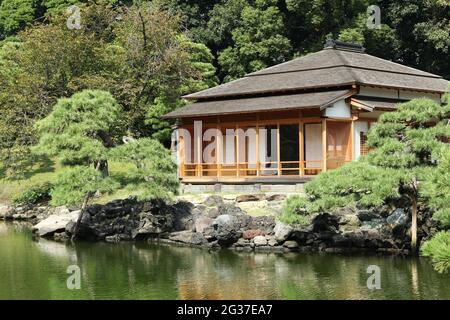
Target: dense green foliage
{"x":80,"y":129}
{"x":295,"y":211}
{"x":408,"y":143}
{"x":438,"y":249}
{"x":81,"y":132}
{"x":153,"y":171}
{"x":35,"y":194}
{"x":410,"y":157}
{"x":149,"y":53}
{"x":140,"y":55}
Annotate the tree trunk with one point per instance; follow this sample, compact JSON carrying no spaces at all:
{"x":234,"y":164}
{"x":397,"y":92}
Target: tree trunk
{"x":80,"y":217}
{"x":103,"y":168}
{"x":414,"y":226}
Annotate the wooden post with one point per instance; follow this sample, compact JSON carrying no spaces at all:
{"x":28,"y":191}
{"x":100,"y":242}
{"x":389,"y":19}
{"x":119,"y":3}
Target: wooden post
{"x":278,"y":149}
{"x":237,"y":152}
{"x":199,"y":154}
{"x":257,"y":145}
{"x":301,"y":146}
{"x":352,"y":141}
{"x":324,"y":145}
{"x":219,"y":143}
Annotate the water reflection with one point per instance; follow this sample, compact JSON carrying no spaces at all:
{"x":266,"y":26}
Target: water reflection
{"x":37,"y":269}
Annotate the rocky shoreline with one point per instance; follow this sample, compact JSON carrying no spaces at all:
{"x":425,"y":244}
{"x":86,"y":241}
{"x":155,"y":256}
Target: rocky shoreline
{"x":217,"y":222}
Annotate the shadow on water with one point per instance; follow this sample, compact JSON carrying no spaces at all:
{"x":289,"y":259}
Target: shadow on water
{"x":36,"y":269}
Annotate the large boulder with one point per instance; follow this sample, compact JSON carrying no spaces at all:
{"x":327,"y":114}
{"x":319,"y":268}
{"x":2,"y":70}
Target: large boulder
{"x":188,"y":237}
{"x":55,"y":223}
{"x":6,"y":211}
{"x":201,"y":223}
{"x":183,"y":216}
{"x":260,"y":241}
{"x":228,"y":228}
{"x":397,"y":217}
{"x":282,"y":231}
{"x":264,"y":223}
{"x":250,"y":197}
{"x":213,"y":201}
{"x":150,"y":224}
{"x":250,"y":234}
{"x":230,"y":209}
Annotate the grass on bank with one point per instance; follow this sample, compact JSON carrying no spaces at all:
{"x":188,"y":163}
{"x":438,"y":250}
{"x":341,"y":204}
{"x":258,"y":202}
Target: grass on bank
{"x":46,"y":172}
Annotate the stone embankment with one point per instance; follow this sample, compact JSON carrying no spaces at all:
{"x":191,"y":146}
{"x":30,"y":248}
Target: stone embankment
{"x":244,"y":222}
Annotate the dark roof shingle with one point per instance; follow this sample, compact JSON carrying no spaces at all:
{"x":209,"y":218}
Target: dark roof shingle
{"x":258,"y":104}
{"x":327,"y":68}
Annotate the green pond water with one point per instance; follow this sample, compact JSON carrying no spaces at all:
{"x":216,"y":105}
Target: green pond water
{"x":37,"y":269}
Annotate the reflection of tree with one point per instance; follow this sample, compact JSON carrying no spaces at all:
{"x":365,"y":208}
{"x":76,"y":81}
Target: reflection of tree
{"x":37,"y":270}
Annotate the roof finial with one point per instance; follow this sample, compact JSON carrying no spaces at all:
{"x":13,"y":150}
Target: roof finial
{"x":346,"y":46}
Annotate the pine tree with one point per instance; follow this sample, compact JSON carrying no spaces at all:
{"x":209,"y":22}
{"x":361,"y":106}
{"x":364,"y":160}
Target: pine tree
{"x":410,"y":157}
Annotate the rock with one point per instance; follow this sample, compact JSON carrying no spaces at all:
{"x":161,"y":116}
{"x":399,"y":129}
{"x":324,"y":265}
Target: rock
{"x":290,"y":244}
{"x":241,"y":243}
{"x":250,"y":234}
{"x":6,"y":212}
{"x":250,"y":197}
{"x":367,"y":215}
{"x":397,"y":217}
{"x":188,"y":237}
{"x":213,"y":200}
{"x":213,"y":213}
{"x":282,"y":231}
{"x":113,"y":239}
{"x":209,"y":233}
{"x":229,"y":209}
{"x":264,"y":223}
{"x":373,"y":224}
{"x":276,"y":197}
{"x":227,"y":229}
{"x":55,"y":223}
{"x":260,"y":241}
{"x":151,"y":224}
{"x":203,"y":222}
{"x":184,"y":216}
{"x":271,"y":241}
{"x":349,"y":220}
{"x":62,"y":210}
{"x":325,"y":222}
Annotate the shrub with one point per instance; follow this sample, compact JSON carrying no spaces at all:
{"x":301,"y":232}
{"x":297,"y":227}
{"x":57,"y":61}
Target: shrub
{"x":35,"y":194}
{"x":295,"y":211}
{"x":438,"y":249}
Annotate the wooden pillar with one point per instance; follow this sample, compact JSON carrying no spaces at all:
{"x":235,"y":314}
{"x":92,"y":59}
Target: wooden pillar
{"x":219,"y":144}
{"x":352,"y":140}
{"x":324,"y":145}
{"x":301,"y":148}
{"x":278,"y":149}
{"x":238,"y":173}
{"x":300,"y":143}
{"x":199,"y":154}
{"x":257,"y":145}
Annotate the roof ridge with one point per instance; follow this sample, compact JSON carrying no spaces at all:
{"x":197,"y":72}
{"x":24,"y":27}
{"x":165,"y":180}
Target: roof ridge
{"x":346,"y":63}
{"x":407,"y":67}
